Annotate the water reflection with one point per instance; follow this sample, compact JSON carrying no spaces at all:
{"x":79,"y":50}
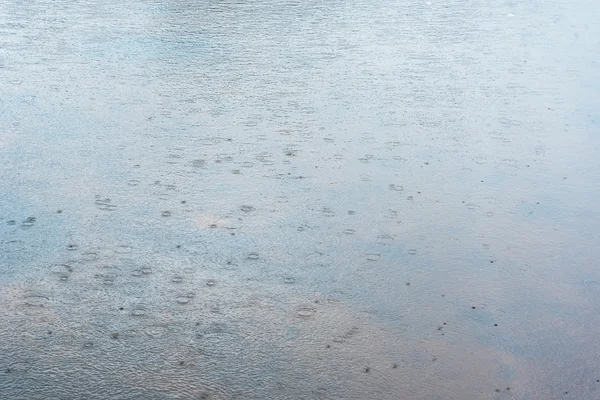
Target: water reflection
{"x":281,"y":199}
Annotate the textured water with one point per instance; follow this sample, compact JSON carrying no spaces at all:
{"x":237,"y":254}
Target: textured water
{"x":314,"y":199}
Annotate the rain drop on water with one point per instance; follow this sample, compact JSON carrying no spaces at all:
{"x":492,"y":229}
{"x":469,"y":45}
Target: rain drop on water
{"x":28,"y":223}
{"x":306,"y":311}
{"x":185,"y":299}
{"x":138,"y":312}
{"x":373,"y":256}
{"x":123,"y":249}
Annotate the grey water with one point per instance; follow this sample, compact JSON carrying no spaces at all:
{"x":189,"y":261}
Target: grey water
{"x":283,"y":199}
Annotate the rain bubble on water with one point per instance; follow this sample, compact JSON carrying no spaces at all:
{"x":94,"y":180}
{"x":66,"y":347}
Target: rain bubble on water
{"x":306,"y":311}
{"x":89,"y":256}
{"x":28,"y":222}
{"x":185,"y":299}
{"x":138,"y":311}
{"x":373,"y":256}
{"x":36,"y":300}
{"x":123,"y":249}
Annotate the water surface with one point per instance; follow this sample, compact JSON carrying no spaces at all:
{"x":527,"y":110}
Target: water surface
{"x":317,"y":199}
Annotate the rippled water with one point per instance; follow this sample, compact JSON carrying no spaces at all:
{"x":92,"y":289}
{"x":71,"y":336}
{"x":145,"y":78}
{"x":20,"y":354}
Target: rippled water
{"x":299,"y":200}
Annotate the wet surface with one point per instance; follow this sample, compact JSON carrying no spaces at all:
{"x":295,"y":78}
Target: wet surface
{"x":299,"y":200}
